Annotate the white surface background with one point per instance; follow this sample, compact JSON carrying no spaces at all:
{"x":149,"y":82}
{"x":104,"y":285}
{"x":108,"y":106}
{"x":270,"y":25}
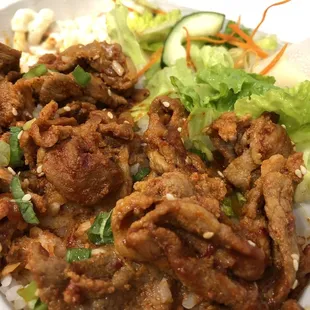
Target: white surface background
{"x":290,"y":21}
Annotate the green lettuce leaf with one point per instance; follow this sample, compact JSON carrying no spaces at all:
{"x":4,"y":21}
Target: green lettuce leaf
{"x":269,"y":42}
{"x":160,"y":84}
{"x":152,"y":28}
{"x":290,"y":104}
{"x":197,"y":140}
{"x":119,"y":32}
{"x":301,"y":138}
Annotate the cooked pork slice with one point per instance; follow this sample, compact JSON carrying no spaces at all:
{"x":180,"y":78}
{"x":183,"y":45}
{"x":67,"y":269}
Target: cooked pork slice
{"x":166,"y":150}
{"x":108,"y":60}
{"x":80,"y":172}
{"x":9,"y":59}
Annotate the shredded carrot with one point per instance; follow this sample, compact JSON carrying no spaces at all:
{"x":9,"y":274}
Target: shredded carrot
{"x":153,"y":59}
{"x":158,"y":11}
{"x":274,"y":61}
{"x":210,"y":40}
{"x":264,"y":16}
{"x":189,"y":61}
{"x":236,"y":28}
{"x":252,"y":45}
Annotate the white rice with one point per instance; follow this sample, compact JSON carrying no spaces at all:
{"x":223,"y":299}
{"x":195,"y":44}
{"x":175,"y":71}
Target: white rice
{"x":9,"y":288}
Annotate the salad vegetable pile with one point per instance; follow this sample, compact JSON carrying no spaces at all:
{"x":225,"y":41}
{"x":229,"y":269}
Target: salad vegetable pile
{"x":207,"y":63}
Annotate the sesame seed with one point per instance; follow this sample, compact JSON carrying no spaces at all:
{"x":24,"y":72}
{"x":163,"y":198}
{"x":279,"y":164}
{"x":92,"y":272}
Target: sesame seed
{"x":298,"y":173}
{"x":109,"y":92}
{"x":66,"y":108}
{"x":220,"y":174}
{"x":184,"y":119}
{"x":170,"y":197}
{"x":14,"y":112}
{"x":208,"y":235}
{"x":292,"y":143}
{"x":283,"y":126}
{"x":96,"y":57}
{"x":110,"y":115}
{"x":41,"y":174}
{"x":143,"y":144}
{"x":296,"y":264}
{"x":251,"y":243}
{"x":166,"y":104}
{"x":20,"y":135}
{"x":303,"y":170}
{"x":26,"y":197}
{"x":39,"y":169}
{"x":295,"y":284}
{"x":295,"y":256}
{"x":179,"y":129}
{"x":126,"y":122}
{"x":11,"y":170}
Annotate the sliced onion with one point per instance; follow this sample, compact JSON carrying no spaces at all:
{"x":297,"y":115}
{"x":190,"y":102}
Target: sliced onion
{"x":9,"y":268}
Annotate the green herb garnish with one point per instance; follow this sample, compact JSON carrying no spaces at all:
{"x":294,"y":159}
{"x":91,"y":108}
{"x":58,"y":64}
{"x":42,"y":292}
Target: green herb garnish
{"x":16,"y":153}
{"x":36,"y":71}
{"x":40,"y":305}
{"x":81,"y":77}
{"x":227,"y":207}
{"x":101,"y":231}
{"x":25,"y":207}
{"x":141,"y":174}
{"x":5,"y":154}
{"x":74,"y":255}
{"x":28,"y":292}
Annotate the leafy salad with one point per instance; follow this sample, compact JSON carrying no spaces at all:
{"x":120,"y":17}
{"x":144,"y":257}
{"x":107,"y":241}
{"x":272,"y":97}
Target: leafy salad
{"x":208,"y":63}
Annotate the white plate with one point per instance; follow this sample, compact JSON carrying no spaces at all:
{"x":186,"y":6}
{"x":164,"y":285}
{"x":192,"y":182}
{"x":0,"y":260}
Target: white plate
{"x":290,"y":22}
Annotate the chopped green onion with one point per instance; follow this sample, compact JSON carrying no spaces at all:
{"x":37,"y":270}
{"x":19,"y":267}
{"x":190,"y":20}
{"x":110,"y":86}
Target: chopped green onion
{"x":227,"y":207}
{"x":25,"y":207}
{"x":36,"y":71}
{"x":39,"y":305}
{"x":28,"y":292}
{"x":77,"y":254}
{"x":241,"y":198}
{"x":141,"y":174}
{"x":101,"y":231}
{"x":81,"y":77}
{"x":28,"y":124}
{"x":16,"y":154}
{"x":16,"y":188}
{"x":202,"y":155}
{"x":5,"y":154}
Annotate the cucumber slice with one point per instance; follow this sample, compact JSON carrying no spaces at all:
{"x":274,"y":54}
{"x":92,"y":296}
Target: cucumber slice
{"x":197,"y":24}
